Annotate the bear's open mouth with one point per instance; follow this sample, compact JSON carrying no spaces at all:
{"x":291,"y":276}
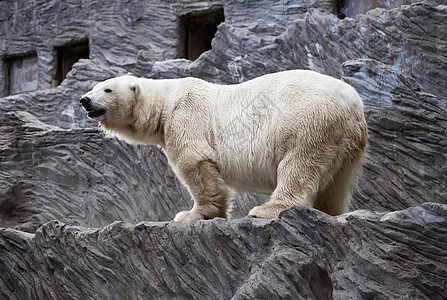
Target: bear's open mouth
{"x":96,"y":113}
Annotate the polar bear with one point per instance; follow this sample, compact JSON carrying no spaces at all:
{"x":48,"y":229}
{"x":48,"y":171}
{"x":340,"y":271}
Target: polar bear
{"x":297,"y":136}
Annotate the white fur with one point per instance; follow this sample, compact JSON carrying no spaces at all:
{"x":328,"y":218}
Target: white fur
{"x":291,"y":135}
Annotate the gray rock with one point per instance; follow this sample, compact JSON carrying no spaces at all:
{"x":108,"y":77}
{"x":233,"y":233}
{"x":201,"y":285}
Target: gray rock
{"x":406,"y":161}
{"x":322,"y":42}
{"x":76,"y":176}
{"x":118,"y":34}
{"x":304,"y":254}
{"x":50,"y":173}
{"x":316,"y":40}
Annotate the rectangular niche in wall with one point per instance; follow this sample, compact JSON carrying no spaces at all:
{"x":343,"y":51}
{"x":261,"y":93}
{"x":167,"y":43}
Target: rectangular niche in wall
{"x":351,"y":8}
{"x":198,"y":31}
{"x":67,"y":56}
{"x":23,"y":72}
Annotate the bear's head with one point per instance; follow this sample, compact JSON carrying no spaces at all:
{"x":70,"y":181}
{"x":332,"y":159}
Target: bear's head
{"x":112,"y":102}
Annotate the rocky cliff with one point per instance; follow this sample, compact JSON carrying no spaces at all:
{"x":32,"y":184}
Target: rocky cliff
{"x":56,"y":165}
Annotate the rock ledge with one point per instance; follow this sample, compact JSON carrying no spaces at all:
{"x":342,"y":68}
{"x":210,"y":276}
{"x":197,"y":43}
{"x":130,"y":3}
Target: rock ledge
{"x":304,"y":254}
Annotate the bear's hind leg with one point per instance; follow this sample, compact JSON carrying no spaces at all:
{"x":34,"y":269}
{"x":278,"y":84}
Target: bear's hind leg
{"x":334,"y":199}
{"x":297,"y":183}
{"x":210,"y":192}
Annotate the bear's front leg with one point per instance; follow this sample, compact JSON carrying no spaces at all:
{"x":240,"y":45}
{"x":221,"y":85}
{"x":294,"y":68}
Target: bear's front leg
{"x":210,"y":192}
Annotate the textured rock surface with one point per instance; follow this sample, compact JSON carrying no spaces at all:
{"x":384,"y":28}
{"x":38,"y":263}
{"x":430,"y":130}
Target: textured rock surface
{"x":125,"y":33}
{"x":322,"y":42}
{"x":49,"y":173}
{"x":407,"y":158}
{"x":304,"y":254}
{"x":55,"y":164}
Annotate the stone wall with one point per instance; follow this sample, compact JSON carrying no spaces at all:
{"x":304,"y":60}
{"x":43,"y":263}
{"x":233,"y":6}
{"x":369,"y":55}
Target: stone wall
{"x":120,"y":33}
{"x":56,"y":165}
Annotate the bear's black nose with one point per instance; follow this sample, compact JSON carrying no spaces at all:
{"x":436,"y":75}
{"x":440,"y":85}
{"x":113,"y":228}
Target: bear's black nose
{"x":85,"y":101}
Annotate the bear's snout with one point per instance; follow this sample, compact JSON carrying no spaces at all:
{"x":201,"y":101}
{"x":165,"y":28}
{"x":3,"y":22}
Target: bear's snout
{"x":92,"y":112}
{"x":86,"y":102}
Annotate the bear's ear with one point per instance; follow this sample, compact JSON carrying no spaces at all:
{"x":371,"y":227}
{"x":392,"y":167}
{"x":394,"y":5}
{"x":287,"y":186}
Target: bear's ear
{"x":136,"y":88}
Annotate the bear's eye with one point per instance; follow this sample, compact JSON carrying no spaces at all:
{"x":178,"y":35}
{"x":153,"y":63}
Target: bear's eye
{"x":108,"y":90}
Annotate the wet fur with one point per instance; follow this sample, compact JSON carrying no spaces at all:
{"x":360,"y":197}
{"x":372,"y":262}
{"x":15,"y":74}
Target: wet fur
{"x":297,"y":136}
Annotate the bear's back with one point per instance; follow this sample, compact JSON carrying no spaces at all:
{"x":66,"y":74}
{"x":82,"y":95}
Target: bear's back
{"x":252,"y":120}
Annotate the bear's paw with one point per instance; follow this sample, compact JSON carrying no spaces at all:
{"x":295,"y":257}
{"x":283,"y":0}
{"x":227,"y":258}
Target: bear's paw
{"x":188,"y":216}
